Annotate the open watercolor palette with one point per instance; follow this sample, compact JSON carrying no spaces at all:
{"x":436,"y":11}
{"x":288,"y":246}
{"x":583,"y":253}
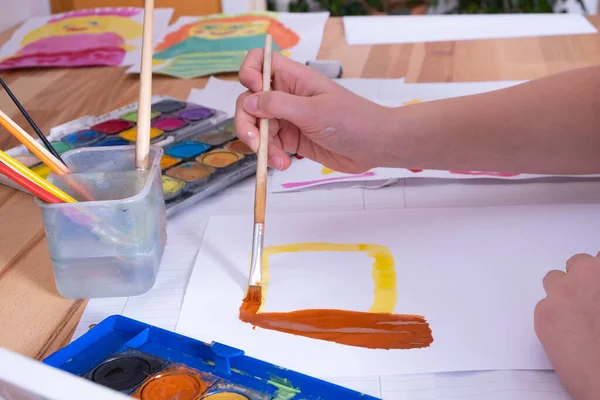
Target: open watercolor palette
{"x":201,"y":152}
{"x":146,"y":362}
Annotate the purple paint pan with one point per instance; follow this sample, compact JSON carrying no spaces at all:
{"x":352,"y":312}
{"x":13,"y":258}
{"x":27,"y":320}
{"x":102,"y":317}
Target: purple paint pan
{"x":196,"y":113}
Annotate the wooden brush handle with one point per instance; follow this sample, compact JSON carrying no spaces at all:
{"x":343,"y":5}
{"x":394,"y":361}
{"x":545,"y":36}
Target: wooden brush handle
{"x":260,"y":196}
{"x":142,"y":142}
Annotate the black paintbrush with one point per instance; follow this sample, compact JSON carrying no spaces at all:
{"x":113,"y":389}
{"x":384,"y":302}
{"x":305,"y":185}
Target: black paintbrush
{"x":31,"y":122}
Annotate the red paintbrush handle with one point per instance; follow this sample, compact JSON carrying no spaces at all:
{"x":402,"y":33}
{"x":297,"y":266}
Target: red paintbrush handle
{"x":29,"y":185}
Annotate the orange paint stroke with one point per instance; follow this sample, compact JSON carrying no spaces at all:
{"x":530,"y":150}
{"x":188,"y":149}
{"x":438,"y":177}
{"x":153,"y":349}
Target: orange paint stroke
{"x":376,"y":329}
{"x":351,"y":328}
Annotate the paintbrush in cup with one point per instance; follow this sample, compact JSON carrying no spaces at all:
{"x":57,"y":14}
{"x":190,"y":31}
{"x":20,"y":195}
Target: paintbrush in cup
{"x":142,"y":141}
{"x":254,"y":295}
{"x":28,"y":184}
{"x":37,"y":130}
{"x":56,"y":166}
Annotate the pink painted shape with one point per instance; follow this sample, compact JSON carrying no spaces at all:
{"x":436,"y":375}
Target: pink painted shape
{"x":97,"y":12}
{"x":503,"y":174}
{"x":290,"y":185}
{"x":70,"y":51}
{"x":72,"y":43}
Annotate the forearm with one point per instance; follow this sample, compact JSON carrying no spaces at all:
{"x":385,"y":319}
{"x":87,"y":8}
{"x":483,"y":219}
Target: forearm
{"x":546,"y":126}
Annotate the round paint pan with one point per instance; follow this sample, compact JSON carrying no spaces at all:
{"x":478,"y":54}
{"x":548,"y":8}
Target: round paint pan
{"x":112,"y":141}
{"x":166,"y":161}
{"x":169,"y":124}
{"x":178,"y":386}
{"x":123,"y":373}
{"x":172,"y":187}
{"x":60,"y":147}
{"x":237,"y":146}
{"x":132,"y":116}
{"x":42,"y":170}
{"x":82,"y":138}
{"x":219,"y":158}
{"x":214,"y":138}
{"x":191,"y":172}
{"x":230,"y":127}
{"x":175,"y":381}
{"x":186,"y":149}
{"x":131,"y":134}
{"x":168,"y":106}
{"x":113,"y":126}
{"x":196,"y":113}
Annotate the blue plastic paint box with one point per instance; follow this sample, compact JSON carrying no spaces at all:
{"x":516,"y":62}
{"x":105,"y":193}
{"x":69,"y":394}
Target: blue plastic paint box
{"x":146,"y":362}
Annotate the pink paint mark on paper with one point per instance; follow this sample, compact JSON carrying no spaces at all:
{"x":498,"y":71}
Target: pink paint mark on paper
{"x":291,"y":185}
{"x":502,"y":174}
{"x":119,"y":12}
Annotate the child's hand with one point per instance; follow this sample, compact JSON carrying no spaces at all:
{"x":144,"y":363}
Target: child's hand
{"x":310,"y":115}
{"x":567,"y":323}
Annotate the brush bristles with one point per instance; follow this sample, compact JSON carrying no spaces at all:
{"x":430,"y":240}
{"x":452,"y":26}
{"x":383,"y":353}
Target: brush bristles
{"x":254,"y":295}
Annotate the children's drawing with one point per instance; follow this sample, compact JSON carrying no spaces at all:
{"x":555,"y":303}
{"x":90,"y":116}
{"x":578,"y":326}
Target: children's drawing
{"x":378,"y":328}
{"x":199,"y":46}
{"x":305,"y":173}
{"x":91,"y":37}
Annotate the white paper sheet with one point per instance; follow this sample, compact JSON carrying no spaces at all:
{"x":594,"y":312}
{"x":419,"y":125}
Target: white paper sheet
{"x":436,"y":257}
{"x":369,"y":30}
{"x":304,"y":174}
{"x":186,"y":232}
{"x":222,"y":94}
{"x":78,"y":31}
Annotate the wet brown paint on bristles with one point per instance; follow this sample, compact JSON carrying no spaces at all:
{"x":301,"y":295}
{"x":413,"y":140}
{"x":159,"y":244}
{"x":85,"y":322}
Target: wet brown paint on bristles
{"x":253,"y":298}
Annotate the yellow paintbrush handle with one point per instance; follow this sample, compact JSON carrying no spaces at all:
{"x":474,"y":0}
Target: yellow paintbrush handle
{"x":23,"y":170}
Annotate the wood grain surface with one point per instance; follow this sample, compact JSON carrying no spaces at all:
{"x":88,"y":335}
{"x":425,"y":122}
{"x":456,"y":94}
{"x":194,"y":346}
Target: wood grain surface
{"x":34,"y":319}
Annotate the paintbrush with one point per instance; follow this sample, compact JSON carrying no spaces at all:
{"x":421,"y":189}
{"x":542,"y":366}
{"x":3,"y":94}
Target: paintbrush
{"x":28,"y":184}
{"x":32,"y":176}
{"x":254,"y":294}
{"x":44,"y":155}
{"x":142,"y":142}
{"x":37,"y":130}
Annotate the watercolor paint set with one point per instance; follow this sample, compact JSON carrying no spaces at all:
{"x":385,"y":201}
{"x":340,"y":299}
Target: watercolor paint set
{"x":201,"y":152}
{"x":146,"y":362}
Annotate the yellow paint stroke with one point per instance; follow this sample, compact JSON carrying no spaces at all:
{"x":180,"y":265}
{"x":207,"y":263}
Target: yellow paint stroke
{"x":384,"y":273}
{"x":413,"y":101}
{"x":327,"y":171}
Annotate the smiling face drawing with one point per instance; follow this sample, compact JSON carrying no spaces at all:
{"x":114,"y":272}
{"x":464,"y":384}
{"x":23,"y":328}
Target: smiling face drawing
{"x":91,"y":24}
{"x":87,"y":25}
{"x":207,"y":33}
{"x":216,"y":31}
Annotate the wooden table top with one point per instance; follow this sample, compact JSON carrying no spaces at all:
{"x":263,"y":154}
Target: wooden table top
{"x":35,"y":320}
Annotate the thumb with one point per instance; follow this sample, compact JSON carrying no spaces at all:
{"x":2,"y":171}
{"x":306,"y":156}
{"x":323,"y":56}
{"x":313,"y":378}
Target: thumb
{"x":279,"y":105}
